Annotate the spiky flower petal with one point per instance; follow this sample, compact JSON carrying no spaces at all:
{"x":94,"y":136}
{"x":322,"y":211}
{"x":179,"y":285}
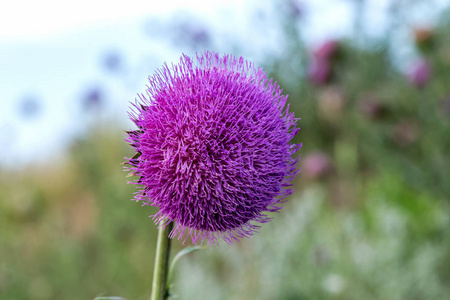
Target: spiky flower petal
{"x":213,"y":144}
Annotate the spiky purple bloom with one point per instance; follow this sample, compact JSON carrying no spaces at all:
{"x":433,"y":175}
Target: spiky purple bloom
{"x":214,"y":150}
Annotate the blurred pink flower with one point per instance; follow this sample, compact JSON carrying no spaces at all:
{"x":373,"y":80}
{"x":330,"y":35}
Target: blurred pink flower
{"x":420,"y":73}
{"x":319,"y":71}
{"x":327,"y":50}
{"x":316,"y":165}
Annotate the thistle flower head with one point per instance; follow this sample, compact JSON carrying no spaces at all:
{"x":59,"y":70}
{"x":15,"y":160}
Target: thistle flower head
{"x":214,"y":150}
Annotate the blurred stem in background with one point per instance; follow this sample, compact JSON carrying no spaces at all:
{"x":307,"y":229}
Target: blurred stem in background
{"x":160,"y":271}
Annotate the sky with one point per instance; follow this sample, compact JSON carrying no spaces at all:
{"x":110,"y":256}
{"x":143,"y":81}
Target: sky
{"x":35,"y":19}
{"x":53,"y":52}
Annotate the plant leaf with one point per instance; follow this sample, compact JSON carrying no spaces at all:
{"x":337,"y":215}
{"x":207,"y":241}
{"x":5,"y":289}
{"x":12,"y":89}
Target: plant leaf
{"x":180,"y":254}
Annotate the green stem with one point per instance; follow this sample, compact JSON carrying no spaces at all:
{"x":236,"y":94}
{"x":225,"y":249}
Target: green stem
{"x":160,"y":270}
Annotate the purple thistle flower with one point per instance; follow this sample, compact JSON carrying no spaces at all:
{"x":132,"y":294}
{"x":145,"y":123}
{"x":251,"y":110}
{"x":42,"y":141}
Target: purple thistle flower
{"x":214,"y":150}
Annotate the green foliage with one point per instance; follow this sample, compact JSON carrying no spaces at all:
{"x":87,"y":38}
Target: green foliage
{"x":389,"y":248}
{"x":70,"y":231}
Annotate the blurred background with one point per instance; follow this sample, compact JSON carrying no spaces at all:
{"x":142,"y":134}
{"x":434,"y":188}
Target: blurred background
{"x":369,"y":79}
